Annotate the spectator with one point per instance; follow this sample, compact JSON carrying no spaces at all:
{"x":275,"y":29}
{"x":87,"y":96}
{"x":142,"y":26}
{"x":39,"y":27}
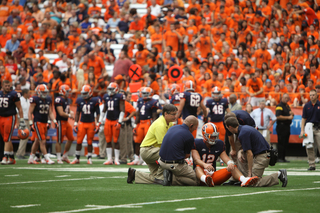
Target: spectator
{"x":122,"y":65}
{"x":12,"y":44}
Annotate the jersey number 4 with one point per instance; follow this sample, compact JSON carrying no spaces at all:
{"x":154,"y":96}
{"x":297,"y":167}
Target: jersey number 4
{"x":4,"y":102}
{"x":195,"y":100}
{"x":143,"y":110}
{"x":217,"y":109}
{"x":210,"y":158}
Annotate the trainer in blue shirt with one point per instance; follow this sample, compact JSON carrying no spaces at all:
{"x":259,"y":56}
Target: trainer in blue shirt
{"x":253,"y":158}
{"x":176,"y":146}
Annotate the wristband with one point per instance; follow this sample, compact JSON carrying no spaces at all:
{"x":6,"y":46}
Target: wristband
{"x":75,"y":124}
{"x":21,"y":119}
{"x":30,"y":122}
{"x":69,"y":115}
{"x":54,"y":121}
{"x":230,"y":161}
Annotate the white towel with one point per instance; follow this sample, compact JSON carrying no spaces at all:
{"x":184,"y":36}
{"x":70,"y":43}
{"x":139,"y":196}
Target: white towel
{"x":308,"y":129}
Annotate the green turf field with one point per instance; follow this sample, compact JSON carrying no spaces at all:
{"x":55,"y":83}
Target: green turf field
{"x":99,"y":188}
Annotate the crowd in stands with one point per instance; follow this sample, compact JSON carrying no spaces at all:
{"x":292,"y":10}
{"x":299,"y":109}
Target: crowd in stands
{"x":250,"y":48}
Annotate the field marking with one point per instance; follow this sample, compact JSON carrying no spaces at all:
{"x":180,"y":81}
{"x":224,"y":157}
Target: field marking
{"x":25,"y":206}
{"x":63,"y":176}
{"x":98,"y":207}
{"x":12,"y":175}
{"x":185,"y":209}
{"x":270,"y":211}
{"x":316,"y":182}
{"x":48,"y":181}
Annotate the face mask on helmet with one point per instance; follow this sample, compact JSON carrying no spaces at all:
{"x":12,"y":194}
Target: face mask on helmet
{"x":211,"y":139}
{"x":216,"y":95}
{"x":111,"y":91}
{"x":85,"y":95}
{"x":145,"y":95}
{"x":43,"y":94}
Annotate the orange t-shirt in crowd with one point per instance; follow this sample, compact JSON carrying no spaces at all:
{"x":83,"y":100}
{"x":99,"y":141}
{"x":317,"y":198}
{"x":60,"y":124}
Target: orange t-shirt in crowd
{"x":205,"y":46}
{"x":155,"y":87}
{"x":262,"y":56}
{"x":14,"y":7}
{"x":141,"y":57}
{"x":171,"y":40}
{"x":255,"y":86}
{"x":157,"y":37}
{"x":65,"y":49}
{"x":26,"y":45}
{"x":136,"y":26}
{"x":98,"y":65}
{"x":6,"y":76}
{"x":4,"y":39}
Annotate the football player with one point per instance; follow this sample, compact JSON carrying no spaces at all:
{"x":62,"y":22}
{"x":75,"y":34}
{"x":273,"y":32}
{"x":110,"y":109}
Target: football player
{"x":114,"y":111}
{"x":87,"y":106}
{"x":175,"y":98}
{"x":9,"y":101}
{"x":63,"y":112}
{"x":189,"y":103}
{"x":217,"y":107}
{"x":40,"y":108}
{"x":146,"y":114}
{"x":205,"y":153}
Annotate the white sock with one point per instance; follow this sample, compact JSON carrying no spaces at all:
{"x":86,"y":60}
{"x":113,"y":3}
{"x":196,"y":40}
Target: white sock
{"x":31,"y":157}
{"x":11,"y":153}
{"x":136,"y":158}
{"x":141,"y":159}
{"x":109,"y":154}
{"x":279,"y":173}
{"x":58,"y":155}
{"x":46,"y":156}
{"x":203,"y":178}
{"x":65,"y":154}
{"x":89,"y":155}
{"x":242,"y":178}
{"x":6,"y":153}
{"x":116,"y":155}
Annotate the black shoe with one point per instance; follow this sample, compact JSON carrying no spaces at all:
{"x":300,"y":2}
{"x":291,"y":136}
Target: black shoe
{"x":283,"y":177}
{"x":286,"y":161}
{"x":311,"y":168}
{"x":99,"y":157}
{"x":158,"y":181}
{"x":123,"y":162}
{"x":21,"y":157}
{"x":232,"y":183}
{"x":167,"y":178}
{"x":131,"y":175}
{"x":280,"y":161}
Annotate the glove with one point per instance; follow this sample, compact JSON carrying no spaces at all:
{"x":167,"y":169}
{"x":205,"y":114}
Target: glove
{"x":117,"y":126}
{"x":205,"y":119}
{"x":32,"y":128}
{"x":48,"y":125}
{"x":22,"y":124}
{"x":96,"y":130}
{"x":75,"y":127}
{"x":56,"y":125}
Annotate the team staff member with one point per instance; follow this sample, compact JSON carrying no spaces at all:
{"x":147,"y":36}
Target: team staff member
{"x":311,"y":113}
{"x":9,"y":101}
{"x":253,"y":157}
{"x":264,"y":119}
{"x":284,"y":119}
{"x":63,"y":112}
{"x":177,"y":145}
{"x":150,"y":147}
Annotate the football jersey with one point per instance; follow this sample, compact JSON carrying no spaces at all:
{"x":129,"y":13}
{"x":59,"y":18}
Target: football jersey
{"x":208,"y":155}
{"x":7,"y":103}
{"x":217,"y":109}
{"x":243,"y":118}
{"x":147,"y":108}
{"x":87,"y":108}
{"x":41,"y":110}
{"x":112,"y":104}
{"x":192,"y":102}
{"x":60,"y":101}
{"x":175,"y":99}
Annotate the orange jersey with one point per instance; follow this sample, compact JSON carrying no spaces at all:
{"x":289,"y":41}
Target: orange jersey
{"x":255,"y":86}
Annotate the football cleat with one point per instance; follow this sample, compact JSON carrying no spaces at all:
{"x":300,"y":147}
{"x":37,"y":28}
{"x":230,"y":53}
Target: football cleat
{"x":116,"y":163}
{"x":86,"y":92}
{"x":31,"y":161}
{"x":75,"y":161}
{"x":175,"y":88}
{"x":112,"y":88}
{"x":59,"y":162}
{"x":283,"y":177}
{"x":210,"y":133}
{"x":249,"y":181}
{"x":43,"y":161}
{"x":49,"y":161}
{"x":134,"y":162}
{"x":89,"y":161}
{"x":209,"y":181}
{"x":65,"y":159}
{"x":11,"y":161}
{"x":64,"y":90}
{"x":189,"y":86}
{"x":42,"y":91}
{"x":108,"y":162}
{"x":4,"y":161}
{"x":37,"y":159}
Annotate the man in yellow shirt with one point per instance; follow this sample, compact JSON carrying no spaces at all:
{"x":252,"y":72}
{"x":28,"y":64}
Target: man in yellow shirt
{"x":150,"y":147}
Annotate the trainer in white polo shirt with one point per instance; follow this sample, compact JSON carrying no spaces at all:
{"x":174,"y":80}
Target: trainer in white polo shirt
{"x":63,"y":64}
{"x":264,"y":119}
{"x":155,"y":8}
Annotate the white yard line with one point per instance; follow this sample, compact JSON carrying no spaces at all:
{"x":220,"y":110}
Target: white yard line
{"x":25,"y":206}
{"x":98,"y":207}
{"x":185,"y":209}
{"x":60,"y":176}
{"x":270,"y":211}
{"x":48,"y":181}
{"x":12,"y":175}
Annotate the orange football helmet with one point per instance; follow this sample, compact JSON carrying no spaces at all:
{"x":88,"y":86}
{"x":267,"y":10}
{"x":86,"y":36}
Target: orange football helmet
{"x":189,"y":86}
{"x":112,"y":88}
{"x":139,"y":91}
{"x":216,"y":93}
{"x":86,"y":92}
{"x":175,"y":88}
{"x":210,"y":133}
{"x":23,"y":133}
{"x":42,"y":91}
{"x":146,"y":93}
{"x":64,"y":90}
